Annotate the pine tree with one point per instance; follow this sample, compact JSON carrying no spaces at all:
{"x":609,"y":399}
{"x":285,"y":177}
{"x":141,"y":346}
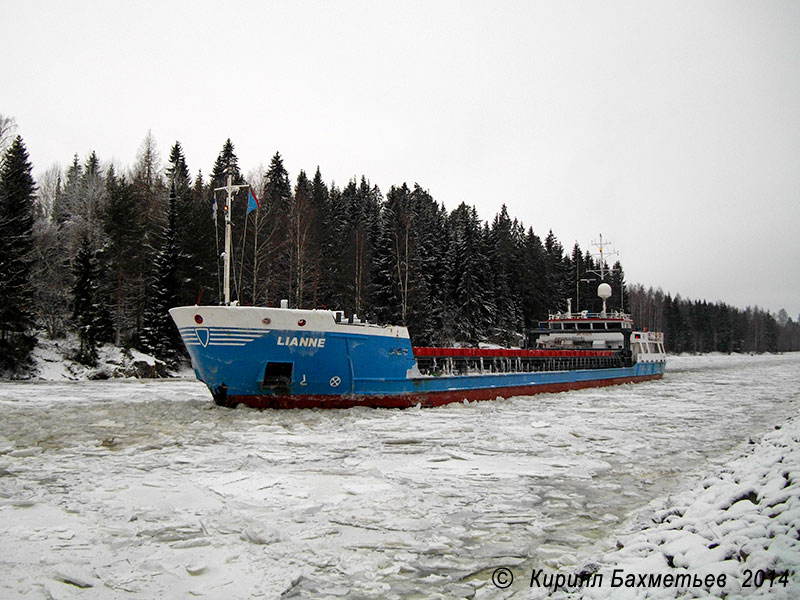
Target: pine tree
{"x":158,"y":335}
{"x":17,"y":205}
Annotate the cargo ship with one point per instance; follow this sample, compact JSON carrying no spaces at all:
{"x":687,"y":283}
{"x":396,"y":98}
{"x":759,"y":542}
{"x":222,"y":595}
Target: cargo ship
{"x":282,"y":357}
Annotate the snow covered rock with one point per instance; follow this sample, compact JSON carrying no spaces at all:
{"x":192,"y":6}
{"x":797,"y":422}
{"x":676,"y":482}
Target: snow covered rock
{"x":53,"y":361}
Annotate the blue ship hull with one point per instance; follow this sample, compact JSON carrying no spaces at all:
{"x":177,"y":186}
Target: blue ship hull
{"x":284,"y":358}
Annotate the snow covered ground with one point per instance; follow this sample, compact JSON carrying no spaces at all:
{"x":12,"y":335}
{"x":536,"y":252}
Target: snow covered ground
{"x":54,"y":361}
{"x":145,"y":489}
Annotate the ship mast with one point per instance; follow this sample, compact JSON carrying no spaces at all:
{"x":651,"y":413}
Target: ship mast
{"x":600,"y":245}
{"x":226,"y":255}
{"x":604,"y":290}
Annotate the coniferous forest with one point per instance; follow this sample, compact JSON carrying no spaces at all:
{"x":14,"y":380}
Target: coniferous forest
{"x":104,"y":253}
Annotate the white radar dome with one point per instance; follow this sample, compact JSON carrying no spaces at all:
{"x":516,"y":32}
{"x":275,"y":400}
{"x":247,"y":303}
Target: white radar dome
{"x":604,"y":291}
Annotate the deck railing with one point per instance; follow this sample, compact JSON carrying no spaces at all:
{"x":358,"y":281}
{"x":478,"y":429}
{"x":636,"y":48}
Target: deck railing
{"x":561,"y":316}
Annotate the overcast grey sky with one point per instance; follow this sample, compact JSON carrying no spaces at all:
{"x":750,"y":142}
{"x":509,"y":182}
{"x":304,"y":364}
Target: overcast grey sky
{"x":671,"y":127}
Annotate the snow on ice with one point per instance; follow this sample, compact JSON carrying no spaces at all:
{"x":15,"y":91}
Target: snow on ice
{"x":145,"y":489}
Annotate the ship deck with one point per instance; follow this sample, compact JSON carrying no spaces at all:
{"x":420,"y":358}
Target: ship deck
{"x":460,"y":361}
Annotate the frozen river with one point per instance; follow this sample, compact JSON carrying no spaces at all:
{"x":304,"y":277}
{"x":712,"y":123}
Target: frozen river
{"x":145,"y":489}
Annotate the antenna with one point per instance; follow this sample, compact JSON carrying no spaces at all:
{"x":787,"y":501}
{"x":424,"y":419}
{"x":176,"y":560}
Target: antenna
{"x":601,"y":245}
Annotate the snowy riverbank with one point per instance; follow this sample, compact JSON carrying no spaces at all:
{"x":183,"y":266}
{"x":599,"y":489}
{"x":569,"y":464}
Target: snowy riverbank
{"x":737,"y":530}
{"x":53,"y":361}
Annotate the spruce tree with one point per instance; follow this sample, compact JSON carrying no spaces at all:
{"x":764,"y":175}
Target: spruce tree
{"x":200,"y":243}
{"x":68,"y":195}
{"x":408,"y":281}
{"x":428,"y":296}
{"x":619,"y":299}
{"x":149,"y":194}
{"x":123,"y":230}
{"x":504,"y":256}
{"x":159,"y":336}
{"x":17,"y":206}
{"x":89,"y":311}
{"x":178,"y":172}
{"x":303,"y":215}
{"x":360,"y":228}
{"x":388,"y":288}
{"x":320,"y":240}
{"x":534,"y":280}
{"x":277,"y":206}
{"x":335,"y":266}
{"x":556,"y":284}
{"x":384,"y":286}
{"x":88,"y":213}
{"x":469,"y":277}
{"x":578,"y":273}
{"x":192,"y":223}
{"x":240,"y":251}
{"x":226,"y":158}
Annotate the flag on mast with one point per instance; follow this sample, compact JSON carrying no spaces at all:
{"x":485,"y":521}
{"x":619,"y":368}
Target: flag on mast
{"x":252,"y":202}
{"x":214,"y":207}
